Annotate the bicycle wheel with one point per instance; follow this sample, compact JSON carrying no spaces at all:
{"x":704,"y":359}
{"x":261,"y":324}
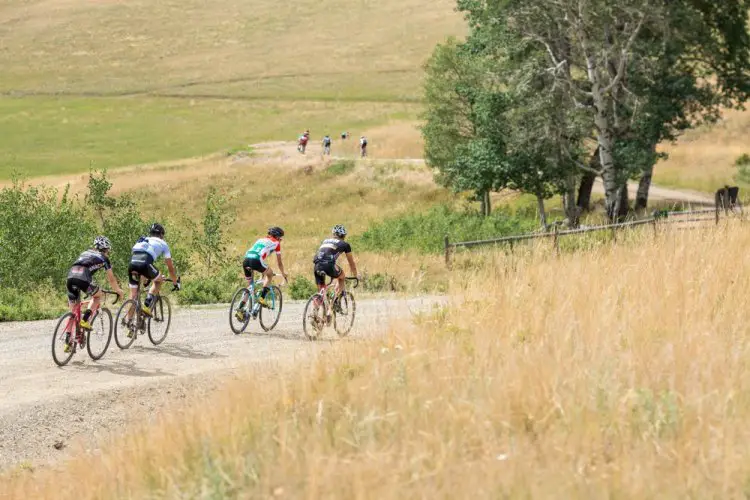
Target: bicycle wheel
{"x":344,"y":310}
{"x":161,"y":318}
{"x":269,"y":316}
{"x":237,"y":326}
{"x":60,"y":339}
{"x":126,"y":324}
{"x":100,"y":334}
{"x":314,"y":317}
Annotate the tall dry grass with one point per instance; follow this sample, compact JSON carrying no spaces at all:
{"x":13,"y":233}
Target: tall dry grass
{"x":619,"y":372}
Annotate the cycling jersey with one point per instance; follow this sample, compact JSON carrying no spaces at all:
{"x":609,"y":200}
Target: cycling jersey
{"x":80,"y":277}
{"x":153,"y":246}
{"x":263,"y":248}
{"x":93,"y":261}
{"x":326,"y":141}
{"x":330,"y":250}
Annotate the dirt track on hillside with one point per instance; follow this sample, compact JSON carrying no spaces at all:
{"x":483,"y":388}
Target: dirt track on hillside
{"x":43,"y":407}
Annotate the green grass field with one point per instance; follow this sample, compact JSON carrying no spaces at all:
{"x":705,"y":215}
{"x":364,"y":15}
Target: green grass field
{"x":114,"y":83}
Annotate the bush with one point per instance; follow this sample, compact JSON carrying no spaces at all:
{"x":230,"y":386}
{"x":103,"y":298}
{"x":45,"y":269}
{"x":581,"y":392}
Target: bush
{"x":425,"y":232}
{"x":205,"y":290}
{"x":301,"y":288}
{"x":743,"y":167}
{"x":44,"y":302}
{"x":340,"y":167}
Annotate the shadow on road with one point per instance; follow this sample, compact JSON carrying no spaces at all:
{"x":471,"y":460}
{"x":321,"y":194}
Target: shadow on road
{"x":179,"y":351}
{"x":126,"y":368}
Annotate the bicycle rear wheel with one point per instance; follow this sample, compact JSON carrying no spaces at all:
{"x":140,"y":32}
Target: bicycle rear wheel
{"x":241,"y":295}
{"x":314,"y":317}
{"x":60,"y":338}
{"x":269,"y":316}
{"x":344,"y":310}
{"x":100,"y":334}
{"x":126,"y":324}
{"x":161,"y":318}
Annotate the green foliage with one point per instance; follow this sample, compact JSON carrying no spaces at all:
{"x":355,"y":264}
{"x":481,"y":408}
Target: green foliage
{"x":41,"y":233}
{"x":743,"y":168}
{"x":301,"y":288}
{"x":425,"y":232}
{"x":43,"y":302}
{"x":98,"y":193}
{"x":211,"y":242}
{"x":340,"y":167}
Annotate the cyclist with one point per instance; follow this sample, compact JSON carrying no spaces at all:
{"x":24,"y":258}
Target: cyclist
{"x":255,"y":260}
{"x":81,"y":279}
{"x":327,"y":145}
{"x":363,"y":146}
{"x":145,"y":252}
{"x":325,"y":260}
{"x":302,"y":142}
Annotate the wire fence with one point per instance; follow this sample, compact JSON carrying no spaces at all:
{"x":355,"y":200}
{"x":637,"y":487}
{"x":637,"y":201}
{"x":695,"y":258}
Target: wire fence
{"x":701,"y":216}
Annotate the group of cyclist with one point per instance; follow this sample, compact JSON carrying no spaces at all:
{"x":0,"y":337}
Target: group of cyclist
{"x":303,"y":139}
{"x":148,"y":249}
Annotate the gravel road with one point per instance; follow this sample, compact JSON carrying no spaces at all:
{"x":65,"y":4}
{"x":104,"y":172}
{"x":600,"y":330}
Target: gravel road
{"x":45,"y":409}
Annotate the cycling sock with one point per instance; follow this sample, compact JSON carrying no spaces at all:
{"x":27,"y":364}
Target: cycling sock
{"x":149,"y":299}
{"x":86,"y":314}
{"x":264,"y":292}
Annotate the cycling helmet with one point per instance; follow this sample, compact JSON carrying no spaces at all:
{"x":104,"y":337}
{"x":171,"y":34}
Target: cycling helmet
{"x":339,"y":231}
{"x":276,"y":232}
{"x":156,"y":229}
{"x":102,"y":243}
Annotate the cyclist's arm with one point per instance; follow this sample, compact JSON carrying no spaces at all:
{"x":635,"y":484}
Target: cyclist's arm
{"x":113,"y":282}
{"x":172,"y":272}
{"x":352,"y":265}
{"x":281,"y":265}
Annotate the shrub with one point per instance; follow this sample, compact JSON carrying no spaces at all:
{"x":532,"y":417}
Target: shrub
{"x":340,"y":167}
{"x":44,"y":302}
{"x":301,"y":288}
{"x":425,"y":232}
{"x":381,"y":282}
{"x":743,"y":167}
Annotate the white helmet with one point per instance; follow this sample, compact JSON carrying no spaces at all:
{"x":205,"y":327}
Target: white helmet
{"x":102,"y":243}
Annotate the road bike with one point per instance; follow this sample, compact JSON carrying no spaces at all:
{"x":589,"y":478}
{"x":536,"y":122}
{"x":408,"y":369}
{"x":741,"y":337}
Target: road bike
{"x":69,"y":336}
{"x":132,"y":321}
{"x":324,"y":309}
{"x":245,"y":306}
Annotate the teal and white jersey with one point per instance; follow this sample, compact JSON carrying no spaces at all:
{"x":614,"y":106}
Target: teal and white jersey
{"x":263,"y":248}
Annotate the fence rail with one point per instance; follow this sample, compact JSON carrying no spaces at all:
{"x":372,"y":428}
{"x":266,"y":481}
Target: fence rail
{"x":665,"y":217}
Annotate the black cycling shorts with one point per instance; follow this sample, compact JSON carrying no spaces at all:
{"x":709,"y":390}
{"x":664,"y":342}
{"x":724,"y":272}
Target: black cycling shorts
{"x":141,"y":264}
{"x":326,"y":268}
{"x":75,"y":286}
{"x":249,"y":265}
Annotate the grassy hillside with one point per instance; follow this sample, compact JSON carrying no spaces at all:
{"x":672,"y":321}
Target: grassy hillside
{"x":515,"y":390}
{"x":118,"y":83}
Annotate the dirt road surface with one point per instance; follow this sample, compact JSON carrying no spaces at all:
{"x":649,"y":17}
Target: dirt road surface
{"x":46,"y":410}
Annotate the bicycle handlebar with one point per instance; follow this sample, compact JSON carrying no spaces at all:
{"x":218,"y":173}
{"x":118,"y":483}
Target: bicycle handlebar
{"x":110,"y":292}
{"x":353,"y":278}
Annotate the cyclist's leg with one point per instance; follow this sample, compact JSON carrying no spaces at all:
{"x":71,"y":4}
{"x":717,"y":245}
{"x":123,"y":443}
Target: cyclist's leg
{"x":93,"y":306}
{"x":340,"y":280}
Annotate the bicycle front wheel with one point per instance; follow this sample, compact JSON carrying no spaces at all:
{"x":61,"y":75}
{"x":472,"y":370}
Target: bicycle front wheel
{"x":314,"y":317}
{"x":100,"y":334}
{"x":61,"y":340}
{"x":269,"y":316}
{"x":126,"y":324}
{"x":344,"y":310}
{"x":239,"y":317}
{"x":161,"y":318}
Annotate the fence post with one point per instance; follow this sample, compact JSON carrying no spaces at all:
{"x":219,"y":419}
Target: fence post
{"x":717,"y":215}
{"x":447,"y":252}
{"x":614,"y":233}
{"x":653,"y":224}
{"x":554,"y":240}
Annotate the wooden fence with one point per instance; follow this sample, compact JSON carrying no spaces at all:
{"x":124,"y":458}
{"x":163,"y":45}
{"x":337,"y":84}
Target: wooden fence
{"x":663,"y":217}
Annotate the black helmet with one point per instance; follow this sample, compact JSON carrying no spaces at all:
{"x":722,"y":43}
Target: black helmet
{"x":156,"y":229}
{"x":275,"y":231}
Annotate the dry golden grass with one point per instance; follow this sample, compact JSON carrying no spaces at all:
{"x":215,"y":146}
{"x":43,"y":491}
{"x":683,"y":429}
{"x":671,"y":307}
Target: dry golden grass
{"x":703,"y":158}
{"x":622,"y":372}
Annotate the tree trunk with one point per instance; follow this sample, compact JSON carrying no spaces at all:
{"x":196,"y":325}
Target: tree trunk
{"x":622,"y":203}
{"x":572,"y":212}
{"x":542,"y":213}
{"x":641,"y":198}
{"x":587,"y":183}
{"x":485,"y":204}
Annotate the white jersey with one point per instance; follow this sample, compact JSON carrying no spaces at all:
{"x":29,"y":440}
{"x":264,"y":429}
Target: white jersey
{"x":153,"y":246}
{"x":263,"y":248}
